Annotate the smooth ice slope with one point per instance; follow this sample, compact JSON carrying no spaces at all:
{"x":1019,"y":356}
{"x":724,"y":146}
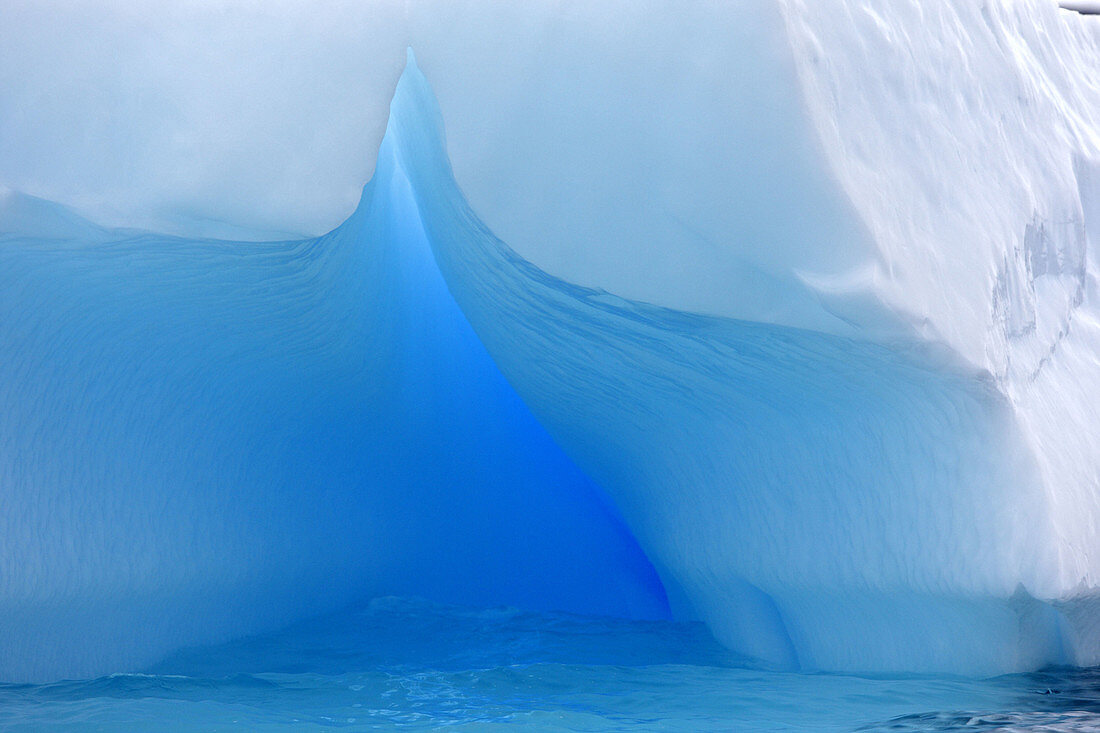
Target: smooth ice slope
{"x":201,"y":439}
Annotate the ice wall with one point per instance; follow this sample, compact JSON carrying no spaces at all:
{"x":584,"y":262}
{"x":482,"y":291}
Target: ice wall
{"x":202,"y":439}
{"x":821,"y":501}
{"x":844,"y":392}
{"x":210,"y":119}
{"x":967,"y":136}
{"x":942,"y":194}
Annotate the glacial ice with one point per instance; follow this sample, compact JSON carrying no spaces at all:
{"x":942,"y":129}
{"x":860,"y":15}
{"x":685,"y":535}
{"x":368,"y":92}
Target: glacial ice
{"x":811,"y":496}
{"x":203,"y":439}
{"x":797,"y":299}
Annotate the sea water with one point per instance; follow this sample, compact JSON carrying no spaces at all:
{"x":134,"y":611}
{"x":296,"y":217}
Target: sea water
{"x":406,"y":663}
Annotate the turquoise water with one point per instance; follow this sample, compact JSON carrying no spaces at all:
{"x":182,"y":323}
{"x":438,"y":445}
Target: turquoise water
{"x":399,"y":663}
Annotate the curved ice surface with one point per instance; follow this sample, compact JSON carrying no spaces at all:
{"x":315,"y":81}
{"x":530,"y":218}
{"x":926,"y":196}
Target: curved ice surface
{"x":201,"y":439}
{"x":821,"y":501}
{"x":877,"y":451}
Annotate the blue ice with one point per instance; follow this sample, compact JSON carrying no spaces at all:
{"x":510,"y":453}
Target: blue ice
{"x":205,"y":439}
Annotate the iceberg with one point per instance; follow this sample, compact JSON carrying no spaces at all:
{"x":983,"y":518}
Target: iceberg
{"x":781,"y":316}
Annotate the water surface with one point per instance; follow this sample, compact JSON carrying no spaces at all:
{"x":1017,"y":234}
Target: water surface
{"x":402,"y":663}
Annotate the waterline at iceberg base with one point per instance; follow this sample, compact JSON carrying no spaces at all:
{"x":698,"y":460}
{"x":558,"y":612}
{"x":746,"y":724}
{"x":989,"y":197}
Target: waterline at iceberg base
{"x":398,"y":663}
{"x":796,"y":436}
